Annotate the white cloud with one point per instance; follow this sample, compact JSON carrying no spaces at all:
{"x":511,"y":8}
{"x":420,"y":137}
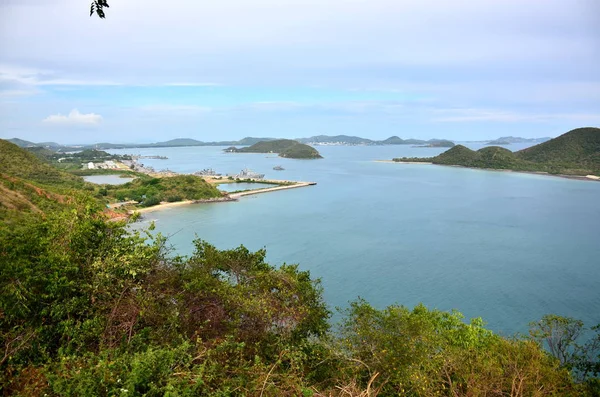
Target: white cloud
{"x":475,"y":115}
{"x":74,"y":118}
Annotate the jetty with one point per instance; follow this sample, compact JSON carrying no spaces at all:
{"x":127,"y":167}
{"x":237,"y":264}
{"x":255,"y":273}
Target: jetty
{"x":271,"y":189}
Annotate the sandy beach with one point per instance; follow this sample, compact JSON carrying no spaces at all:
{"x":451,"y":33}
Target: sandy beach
{"x":165,"y":205}
{"x":231,"y":197}
{"x":578,"y":177}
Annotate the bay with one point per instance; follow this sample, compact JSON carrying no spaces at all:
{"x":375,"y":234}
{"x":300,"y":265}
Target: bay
{"x":507,"y":247}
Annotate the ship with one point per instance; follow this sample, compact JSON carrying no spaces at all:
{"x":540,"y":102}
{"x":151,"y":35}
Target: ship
{"x":278,"y":168}
{"x":206,"y":172}
{"x":249,"y":174}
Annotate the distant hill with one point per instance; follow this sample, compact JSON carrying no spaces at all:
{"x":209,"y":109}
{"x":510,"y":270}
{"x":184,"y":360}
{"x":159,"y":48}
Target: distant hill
{"x":41,"y":152}
{"x":339,"y":139}
{"x":284,"y":147}
{"x":575,"y":153}
{"x":49,"y":144}
{"x":178,"y":142}
{"x":507,"y":140}
{"x":21,"y":142}
{"x":249,"y":141}
{"x":439,"y":143}
{"x":393,"y":140}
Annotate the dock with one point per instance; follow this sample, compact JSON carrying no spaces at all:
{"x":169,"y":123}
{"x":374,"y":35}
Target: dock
{"x":271,"y":189}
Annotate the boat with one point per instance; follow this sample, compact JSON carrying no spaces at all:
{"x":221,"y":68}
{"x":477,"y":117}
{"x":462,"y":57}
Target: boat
{"x":206,"y":172}
{"x":278,"y":168}
{"x":249,"y":174}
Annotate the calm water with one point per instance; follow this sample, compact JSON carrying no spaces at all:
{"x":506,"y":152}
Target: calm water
{"x":107,"y":179}
{"x":504,"y":246}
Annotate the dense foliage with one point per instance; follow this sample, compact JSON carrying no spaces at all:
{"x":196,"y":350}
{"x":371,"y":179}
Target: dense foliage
{"x":575,"y":153}
{"x":151,"y":191}
{"x":88,"y":308}
{"x":577,"y":149}
{"x":20,"y":163}
{"x":285,"y":147}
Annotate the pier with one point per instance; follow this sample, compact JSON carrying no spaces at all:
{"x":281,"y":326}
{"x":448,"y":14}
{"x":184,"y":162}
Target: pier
{"x":271,"y":189}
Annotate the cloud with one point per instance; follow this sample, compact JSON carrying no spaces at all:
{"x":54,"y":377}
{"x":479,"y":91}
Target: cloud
{"x":74,"y":118}
{"x":492,"y":115}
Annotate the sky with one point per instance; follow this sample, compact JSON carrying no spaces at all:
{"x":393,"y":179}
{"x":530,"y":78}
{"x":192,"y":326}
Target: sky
{"x":222,"y":70}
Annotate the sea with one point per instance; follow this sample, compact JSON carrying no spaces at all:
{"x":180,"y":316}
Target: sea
{"x":506,"y":247}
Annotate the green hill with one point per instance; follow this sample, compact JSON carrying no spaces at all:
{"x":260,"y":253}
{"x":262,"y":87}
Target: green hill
{"x":575,"y":153}
{"x":577,"y":149}
{"x":28,"y":184}
{"x":393,"y":140}
{"x":17,"y":162}
{"x":439,"y":143}
{"x":489,"y":157}
{"x":21,"y":142}
{"x":285,"y":147}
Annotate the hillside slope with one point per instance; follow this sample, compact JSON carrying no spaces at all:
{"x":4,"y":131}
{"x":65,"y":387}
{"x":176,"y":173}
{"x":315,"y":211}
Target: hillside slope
{"x":577,"y":149}
{"x":21,"y":163}
{"x":575,"y":153}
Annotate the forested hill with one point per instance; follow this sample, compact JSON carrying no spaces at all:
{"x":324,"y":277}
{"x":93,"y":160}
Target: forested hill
{"x":579,"y":148}
{"x":575,"y":153}
{"x":17,"y":162}
{"x":284,"y":147}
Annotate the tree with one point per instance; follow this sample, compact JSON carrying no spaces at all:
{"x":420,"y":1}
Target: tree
{"x":561,"y":335}
{"x":97,"y":7}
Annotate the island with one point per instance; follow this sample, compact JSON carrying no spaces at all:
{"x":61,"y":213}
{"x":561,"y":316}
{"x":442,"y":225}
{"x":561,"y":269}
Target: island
{"x":508,"y":140}
{"x":438,"y":143}
{"x":575,"y":153}
{"x":286,"y":148}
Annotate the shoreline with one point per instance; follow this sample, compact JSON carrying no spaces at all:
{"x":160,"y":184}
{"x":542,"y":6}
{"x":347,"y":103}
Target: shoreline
{"x":592,"y":178}
{"x":165,"y":205}
{"x":225,"y":199}
{"x":404,"y":162}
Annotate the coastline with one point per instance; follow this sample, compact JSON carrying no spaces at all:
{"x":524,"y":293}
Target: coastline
{"x":228,"y":198}
{"x":165,"y":205}
{"x":592,"y":178}
{"x":403,"y":162}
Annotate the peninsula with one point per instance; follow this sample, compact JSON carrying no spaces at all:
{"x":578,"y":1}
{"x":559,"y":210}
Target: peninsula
{"x":286,"y":148}
{"x":36,"y":181}
{"x":575,"y":153}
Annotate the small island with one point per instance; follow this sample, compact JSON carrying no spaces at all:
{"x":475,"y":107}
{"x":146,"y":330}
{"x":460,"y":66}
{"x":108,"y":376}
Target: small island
{"x":509,"y":140}
{"x":437,"y":143}
{"x":576,"y":153}
{"x":286,"y":148}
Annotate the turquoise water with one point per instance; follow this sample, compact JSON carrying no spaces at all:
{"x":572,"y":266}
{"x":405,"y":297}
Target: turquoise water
{"x":505,"y":246}
{"x":107,"y":179}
